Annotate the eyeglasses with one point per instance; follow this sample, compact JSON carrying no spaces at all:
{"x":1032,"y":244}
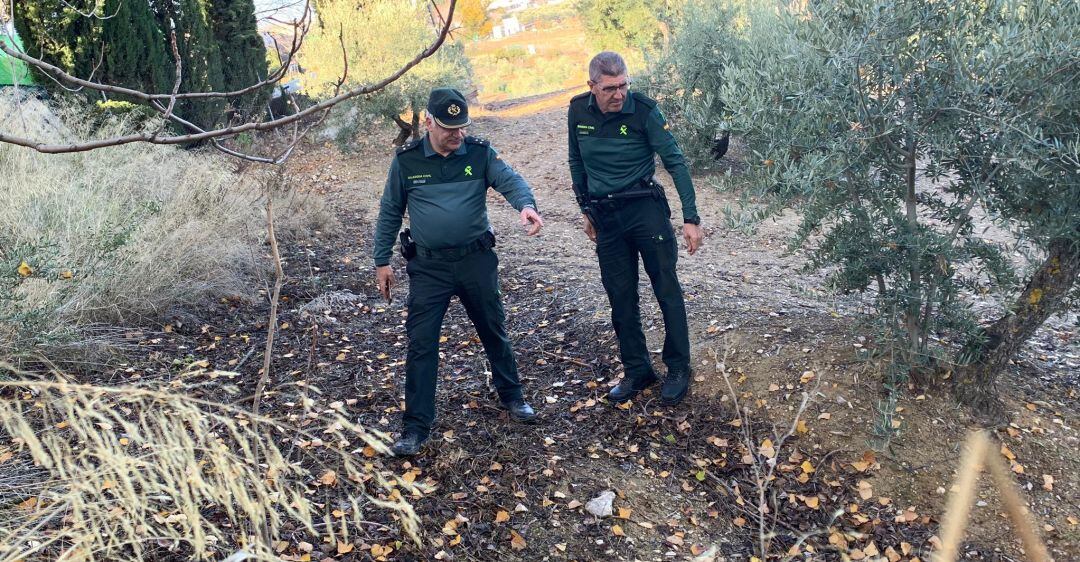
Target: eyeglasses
{"x":624,"y":87}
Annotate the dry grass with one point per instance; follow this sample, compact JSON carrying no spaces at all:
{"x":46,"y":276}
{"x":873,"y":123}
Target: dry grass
{"x":130,"y":473}
{"x":120,"y":235}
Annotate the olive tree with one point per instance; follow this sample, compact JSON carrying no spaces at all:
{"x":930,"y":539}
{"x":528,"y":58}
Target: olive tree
{"x":892,"y":126}
{"x":377,"y":36}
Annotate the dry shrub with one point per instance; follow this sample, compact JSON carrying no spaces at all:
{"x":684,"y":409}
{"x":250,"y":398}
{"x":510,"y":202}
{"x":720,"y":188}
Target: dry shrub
{"x":121,"y":235}
{"x":123,"y":472}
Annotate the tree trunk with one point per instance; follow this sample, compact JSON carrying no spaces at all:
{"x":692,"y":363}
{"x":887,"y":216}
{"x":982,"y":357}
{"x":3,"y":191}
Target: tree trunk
{"x":991,"y":350}
{"x":415,"y":124}
{"x":406,"y":131}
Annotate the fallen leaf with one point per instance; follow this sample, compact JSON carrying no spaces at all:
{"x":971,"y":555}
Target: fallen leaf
{"x":1007,"y":453}
{"x":617,"y":531}
{"x":345,"y":547}
{"x":1048,"y":482}
{"x":624,"y":512}
{"x":866,"y":491}
{"x":807,"y":467}
{"x":824,"y":416}
{"x":329,"y":478}
{"x":739,"y":522}
{"x":812,"y":502}
{"x":801,"y":428}
{"x":502,"y":516}
{"x":517,"y":542}
{"x":806,"y":377}
{"x":25,"y":270}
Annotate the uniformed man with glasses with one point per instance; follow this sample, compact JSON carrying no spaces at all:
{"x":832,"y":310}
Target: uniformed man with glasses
{"x":443,"y":180}
{"x":613,"y":136}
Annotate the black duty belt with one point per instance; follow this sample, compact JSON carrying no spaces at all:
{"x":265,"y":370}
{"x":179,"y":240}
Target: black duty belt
{"x":485,"y":242}
{"x":645,"y":187}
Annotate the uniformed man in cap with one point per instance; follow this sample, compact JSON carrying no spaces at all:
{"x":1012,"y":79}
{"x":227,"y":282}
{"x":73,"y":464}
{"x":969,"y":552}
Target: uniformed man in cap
{"x":614,"y":134}
{"x":442,"y":180}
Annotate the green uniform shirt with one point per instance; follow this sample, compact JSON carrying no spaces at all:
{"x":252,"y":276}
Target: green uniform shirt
{"x":446,"y":196}
{"x":615,"y":150}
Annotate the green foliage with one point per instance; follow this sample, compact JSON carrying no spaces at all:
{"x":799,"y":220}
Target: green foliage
{"x":128,"y":44}
{"x":379,"y":38}
{"x":890,"y":124}
{"x":202,"y":68}
{"x":687,"y":78}
{"x":243,"y":54}
{"x":57,"y":34}
{"x":619,"y":25}
{"x":136,"y":53}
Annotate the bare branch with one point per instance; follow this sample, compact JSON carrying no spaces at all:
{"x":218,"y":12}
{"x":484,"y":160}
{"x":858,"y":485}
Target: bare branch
{"x":215,"y":133}
{"x":176,"y":83}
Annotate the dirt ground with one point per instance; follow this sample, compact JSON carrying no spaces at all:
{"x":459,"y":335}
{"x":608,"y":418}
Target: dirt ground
{"x":684,"y":477}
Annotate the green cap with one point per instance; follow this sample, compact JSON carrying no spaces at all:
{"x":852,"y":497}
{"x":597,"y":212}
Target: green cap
{"x":448,"y":108}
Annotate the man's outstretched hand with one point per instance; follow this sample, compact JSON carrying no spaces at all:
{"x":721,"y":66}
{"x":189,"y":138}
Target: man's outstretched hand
{"x":531,"y":219}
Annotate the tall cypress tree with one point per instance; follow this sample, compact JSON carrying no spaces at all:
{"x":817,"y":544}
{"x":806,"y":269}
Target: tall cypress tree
{"x":136,"y":52}
{"x":243,"y":54}
{"x":199,"y":55}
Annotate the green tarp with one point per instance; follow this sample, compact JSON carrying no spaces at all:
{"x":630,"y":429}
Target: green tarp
{"x":13,"y":71}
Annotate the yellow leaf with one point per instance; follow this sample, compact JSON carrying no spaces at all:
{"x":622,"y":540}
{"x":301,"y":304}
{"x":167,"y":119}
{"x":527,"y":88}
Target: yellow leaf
{"x":624,"y":512}
{"x":502,"y":516}
{"x":517,"y":542}
{"x":456,"y":540}
{"x":25,"y":270}
{"x":806,"y":377}
{"x":368,"y":451}
{"x":67,"y":274}
{"x":812,"y":502}
{"x":28,"y":504}
{"x":1036,"y":296}
{"x":345,"y":547}
{"x":338,"y":513}
{"x":443,"y":339}
{"x":617,"y":531}
{"x":1007,"y":453}
{"x":807,"y":467}
{"x":801,"y":427}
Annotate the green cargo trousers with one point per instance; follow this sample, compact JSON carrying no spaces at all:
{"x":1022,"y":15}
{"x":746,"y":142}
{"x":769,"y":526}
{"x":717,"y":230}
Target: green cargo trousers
{"x":433,"y":281}
{"x":627,"y":229}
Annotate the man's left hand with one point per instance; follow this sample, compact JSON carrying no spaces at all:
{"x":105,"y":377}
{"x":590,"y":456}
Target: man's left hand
{"x":531,"y":219}
{"x":693,"y":235}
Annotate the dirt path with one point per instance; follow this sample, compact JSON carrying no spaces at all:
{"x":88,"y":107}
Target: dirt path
{"x":681,"y":476}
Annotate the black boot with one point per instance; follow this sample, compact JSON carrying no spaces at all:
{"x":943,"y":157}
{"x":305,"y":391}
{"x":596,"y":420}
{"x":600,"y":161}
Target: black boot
{"x":627,"y":389}
{"x":407,"y":445}
{"x":675,"y":387}
{"x":520,"y":411}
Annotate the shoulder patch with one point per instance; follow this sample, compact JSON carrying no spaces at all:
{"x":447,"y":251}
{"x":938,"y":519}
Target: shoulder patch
{"x":644,"y":100}
{"x":409,"y":146}
{"x":478,"y":140}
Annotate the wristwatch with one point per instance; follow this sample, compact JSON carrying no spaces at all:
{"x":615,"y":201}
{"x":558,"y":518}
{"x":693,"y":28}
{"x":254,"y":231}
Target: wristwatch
{"x":694,"y":220}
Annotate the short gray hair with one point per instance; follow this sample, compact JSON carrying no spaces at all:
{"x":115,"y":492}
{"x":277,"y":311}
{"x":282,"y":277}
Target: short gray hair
{"x":607,"y":63}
